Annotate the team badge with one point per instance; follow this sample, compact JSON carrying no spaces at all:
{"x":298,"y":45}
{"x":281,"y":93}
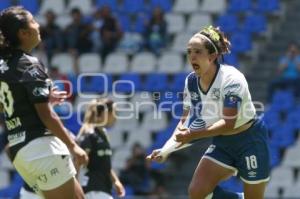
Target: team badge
{"x":215,"y":95}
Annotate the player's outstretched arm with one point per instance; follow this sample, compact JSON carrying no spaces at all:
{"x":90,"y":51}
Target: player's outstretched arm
{"x":160,"y":155}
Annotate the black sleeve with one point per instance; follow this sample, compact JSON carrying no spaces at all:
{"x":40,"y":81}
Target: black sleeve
{"x":85,"y":142}
{"x":37,"y":84}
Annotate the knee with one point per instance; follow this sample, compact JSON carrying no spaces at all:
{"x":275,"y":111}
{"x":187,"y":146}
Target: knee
{"x":199,"y":191}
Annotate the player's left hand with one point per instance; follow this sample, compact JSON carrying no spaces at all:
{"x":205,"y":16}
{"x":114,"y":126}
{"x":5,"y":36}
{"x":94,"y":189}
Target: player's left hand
{"x":183,"y":136}
{"x":119,"y":189}
{"x":56,"y":96}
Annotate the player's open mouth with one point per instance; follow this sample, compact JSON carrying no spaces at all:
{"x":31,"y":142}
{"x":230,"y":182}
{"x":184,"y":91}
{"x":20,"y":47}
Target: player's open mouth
{"x":195,"y":66}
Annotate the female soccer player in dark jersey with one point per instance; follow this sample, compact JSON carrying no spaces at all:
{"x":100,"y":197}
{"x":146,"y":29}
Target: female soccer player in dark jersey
{"x":218,"y":104}
{"x":98,"y":178}
{"x":39,"y":144}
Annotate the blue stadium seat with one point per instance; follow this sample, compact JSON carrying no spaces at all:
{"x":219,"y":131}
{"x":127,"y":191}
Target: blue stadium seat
{"x":228,"y":23}
{"x":5,"y":4}
{"x":134,"y":78}
{"x":275,"y":155}
{"x":177,"y":85}
{"x":231,"y":59}
{"x":241,"y":42}
{"x":94,"y":84}
{"x":125,"y":22}
{"x":170,"y":100}
{"x":72,"y":123}
{"x":284,"y":135}
{"x":239,"y":6}
{"x":31,"y":5}
{"x":12,"y":191}
{"x":110,"y":3}
{"x":165,"y":5}
{"x":138,"y":25}
{"x":155,"y":82}
{"x":283,"y":100}
{"x":255,"y":23}
{"x":133,"y":6}
{"x":267,"y":6}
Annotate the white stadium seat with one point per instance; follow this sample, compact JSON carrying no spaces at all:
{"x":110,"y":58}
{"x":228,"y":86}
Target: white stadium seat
{"x":170,"y":62}
{"x":213,"y":6}
{"x":119,"y":158}
{"x":282,"y":177}
{"x":180,"y":42}
{"x":89,"y":63}
{"x":57,"y":6}
{"x":186,"y":6}
{"x":143,"y":62}
{"x":64,"y":62}
{"x":63,"y":21}
{"x":116,"y":63}
{"x":143,"y":102}
{"x":197,"y":22}
{"x":176,"y":22}
{"x":141,"y":136}
{"x":291,"y":192}
{"x":154,"y":121}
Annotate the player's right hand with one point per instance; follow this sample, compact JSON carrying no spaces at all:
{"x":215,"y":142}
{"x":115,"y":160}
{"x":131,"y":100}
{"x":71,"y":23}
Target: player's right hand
{"x":79,"y":155}
{"x":156,"y":156}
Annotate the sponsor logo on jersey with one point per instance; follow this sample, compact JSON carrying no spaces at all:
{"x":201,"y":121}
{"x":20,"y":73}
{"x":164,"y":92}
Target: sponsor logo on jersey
{"x":3,"y":66}
{"x":39,"y":91}
{"x":16,"y":138}
{"x":104,"y":152}
{"x":194,"y":96}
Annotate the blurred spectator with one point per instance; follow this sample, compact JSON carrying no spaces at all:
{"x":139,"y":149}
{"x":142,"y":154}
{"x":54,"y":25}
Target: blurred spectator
{"x":106,"y":31}
{"x":78,"y":34}
{"x":51,"y":35}
{"x":288,"y":70}
{"x":136,"y":173}
{"x":156,"y":31}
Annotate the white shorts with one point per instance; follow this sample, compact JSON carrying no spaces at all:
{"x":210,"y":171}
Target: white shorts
{"x":48,"y":172}
{"x":97,"y":195}
{"x":24,"y":194}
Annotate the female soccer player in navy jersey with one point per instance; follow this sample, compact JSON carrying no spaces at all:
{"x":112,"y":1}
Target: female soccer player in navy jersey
{"x":39,"y":144}
{"x":218,"y":104}
{"x":98,"y":178}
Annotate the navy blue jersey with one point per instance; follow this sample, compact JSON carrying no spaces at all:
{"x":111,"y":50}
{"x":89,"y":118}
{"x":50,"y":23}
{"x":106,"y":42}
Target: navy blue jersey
{"x":97,"y":175}
{"x":23,"y":83}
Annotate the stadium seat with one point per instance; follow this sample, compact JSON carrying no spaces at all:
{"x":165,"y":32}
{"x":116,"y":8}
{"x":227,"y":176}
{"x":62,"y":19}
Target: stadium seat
{"x":31,"y":5}
{"x":272,"y":191}
{"x":110,"y":3}
{"x":178,"y":82}
{"x":63,"y":20}
{"x":283,"y":100}
{"x":89,"y":63}
{"x":155,"y":82}
{"x":85,"y":6}
{"x":64,"y":62}
{"x":12,"y":191}
{"x":5,"y":4}
{"x":73,"y":123}
{"x":140,"y":135}
{"x":165,"y":5}
{"x":123,"y":84}
{"x":176,"y":22}
{"x":154,"y":121}
{"x":291,"y":157}
{"x":282,"y":177}
{"x":133,"y":6}
{"x":291,"y":192}
{"x":213,"y":6}
{"x":95,"y":83}
{"x":267,"y":6}
{"x":198,"y":21}
{"x":228,"y":23}
{"x":169,"y":101}
{"x":186,"y":6}
{"x":116,"y":63}
{"x":180,"y":42}
{"x":130,"y":43}
{"x":119,"y":158}
{"x":231,"y":59}
{"x":143,"y":102}
{"x":255,"y":24}
{"x":143,"y":63}
{"x":170,"y":63}
{"x":283,"y":136}
{"x":241,"y":42}
{"x":235,"y":6}
{"x":57,"y":6}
